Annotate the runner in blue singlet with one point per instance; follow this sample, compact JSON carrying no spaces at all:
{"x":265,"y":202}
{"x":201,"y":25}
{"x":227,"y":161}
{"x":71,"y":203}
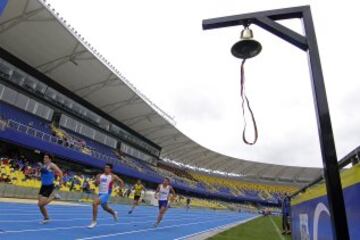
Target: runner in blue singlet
{"x":48,"y":171}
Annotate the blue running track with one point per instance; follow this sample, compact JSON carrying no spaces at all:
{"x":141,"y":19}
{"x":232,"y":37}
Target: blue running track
{"x":21,"y":222}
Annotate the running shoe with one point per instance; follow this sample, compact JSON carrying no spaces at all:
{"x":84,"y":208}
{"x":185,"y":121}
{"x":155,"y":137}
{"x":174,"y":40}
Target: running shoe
{"x":92,"y":225}
{"x":57,"y":196}
{"x":45,"y":221}
{"x":116,"y":216}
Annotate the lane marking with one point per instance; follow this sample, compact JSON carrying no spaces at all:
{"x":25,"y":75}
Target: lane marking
{"x":52,"y":220}
{"x":205,"y":231}
{"x":146,"y":230}
{"x":277,"y":229}
{"x":85,"y":226}
{"x":126,"y":217}
{"x":122,"y":212}
{"x":233,"y":224}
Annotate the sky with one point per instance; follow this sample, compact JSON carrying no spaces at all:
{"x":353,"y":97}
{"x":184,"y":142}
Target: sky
{"x":160,"y":47}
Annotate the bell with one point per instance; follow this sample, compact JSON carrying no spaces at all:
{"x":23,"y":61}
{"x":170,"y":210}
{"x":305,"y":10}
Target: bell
{"x":247,"y":47}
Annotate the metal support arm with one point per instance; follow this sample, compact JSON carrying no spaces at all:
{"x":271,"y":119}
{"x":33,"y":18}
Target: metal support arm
{"x":265,"y":20}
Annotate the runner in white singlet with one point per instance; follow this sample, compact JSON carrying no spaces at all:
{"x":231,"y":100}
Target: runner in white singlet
{"x":105,"y":182}
{"x":163,"y":194}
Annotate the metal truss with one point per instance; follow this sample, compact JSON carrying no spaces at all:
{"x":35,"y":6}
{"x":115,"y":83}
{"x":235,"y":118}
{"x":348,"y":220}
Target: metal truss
{"x":115,"y":106}
{"x":110,"y":81}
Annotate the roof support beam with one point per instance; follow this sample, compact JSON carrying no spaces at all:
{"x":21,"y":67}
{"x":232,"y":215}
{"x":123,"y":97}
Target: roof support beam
{"x":138,"y":119}
{"x":233,"y":166}
{"x":175,"y":144}
{"x":58,"y":62}
{"x":177,"y":149}
{"x":157,"y":128}
{"x":298,"y":173}
{"x":216,"y":164}
{"x":167,"y":137}
{"x":200,"y":161}
{"x":23,"y":17}
{"x":244,"y":170}
{"x":281,"y":172}
{"x":115,"y":106}
{"x":190,"y":156}
{"x":188,"y":152}
{"x":110,"y":81}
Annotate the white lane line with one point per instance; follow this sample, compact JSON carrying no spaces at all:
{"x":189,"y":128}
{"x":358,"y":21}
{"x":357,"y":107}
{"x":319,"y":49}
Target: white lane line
{"x":56,"y":211}
{"x":72,"y":213}
{"x":63,"y":216}
{"x":277,"y":229}
{"x":106,"y":218}
{"x":84,"y":226}
{"x":67,"y":228}
{"x":34,"y":210}
{"x":53,"y":205}
{"x":217,"y":228}
{"x":52,"y":220}
{"x":50,"y":213}
{"x":205,"y":231}
{"x":146,"y":230}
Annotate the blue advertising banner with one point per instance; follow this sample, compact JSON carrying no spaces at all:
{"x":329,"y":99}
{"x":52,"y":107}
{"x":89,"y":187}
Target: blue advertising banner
{"x":310,"y":211}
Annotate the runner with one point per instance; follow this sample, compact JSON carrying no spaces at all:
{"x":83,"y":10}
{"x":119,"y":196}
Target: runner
{"x":188,"y":201}
{"x":48,"y":171}
{"x":163,"y":195}
{"x":138,"y":188}
{"x":105,"y":182}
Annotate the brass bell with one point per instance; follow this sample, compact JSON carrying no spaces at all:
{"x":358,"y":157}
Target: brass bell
{"x":247,"y":47}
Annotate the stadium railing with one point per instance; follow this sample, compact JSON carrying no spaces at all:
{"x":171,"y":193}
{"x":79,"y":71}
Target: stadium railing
{"x":47,"y":137}
{"x":53,"y":139}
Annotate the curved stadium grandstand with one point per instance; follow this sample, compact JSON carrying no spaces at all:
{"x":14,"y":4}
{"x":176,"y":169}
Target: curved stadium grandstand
{"x":60,"y":96}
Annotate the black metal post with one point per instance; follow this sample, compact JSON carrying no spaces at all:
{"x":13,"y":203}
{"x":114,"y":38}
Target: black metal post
{"x":266,"y":20}
{"x":327,"y":143}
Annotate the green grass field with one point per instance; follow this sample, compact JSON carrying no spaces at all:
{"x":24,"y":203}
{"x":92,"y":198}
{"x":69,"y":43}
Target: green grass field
{"x":263,"y":228}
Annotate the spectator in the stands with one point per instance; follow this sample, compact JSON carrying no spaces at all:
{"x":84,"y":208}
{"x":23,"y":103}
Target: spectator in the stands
{"x":71,"y":142}
{"x":5,"y":161}
{"x":5,"y":178}
{"x":27,"y":172}
{"x":72,"y":183}
{"x":66,"y":142}
{"x":86,"y":186}
{"x":128,"y":192}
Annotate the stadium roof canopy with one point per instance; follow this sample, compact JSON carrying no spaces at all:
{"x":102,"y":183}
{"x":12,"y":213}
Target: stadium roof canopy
{"x":35,"y":33}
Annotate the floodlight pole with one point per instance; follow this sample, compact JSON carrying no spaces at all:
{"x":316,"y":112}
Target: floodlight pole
{"x":308,"y":43}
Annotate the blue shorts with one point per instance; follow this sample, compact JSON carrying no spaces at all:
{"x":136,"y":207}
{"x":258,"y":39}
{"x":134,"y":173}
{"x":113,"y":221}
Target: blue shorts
{"x":163,"y":203}
{"x":104,"y":198}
